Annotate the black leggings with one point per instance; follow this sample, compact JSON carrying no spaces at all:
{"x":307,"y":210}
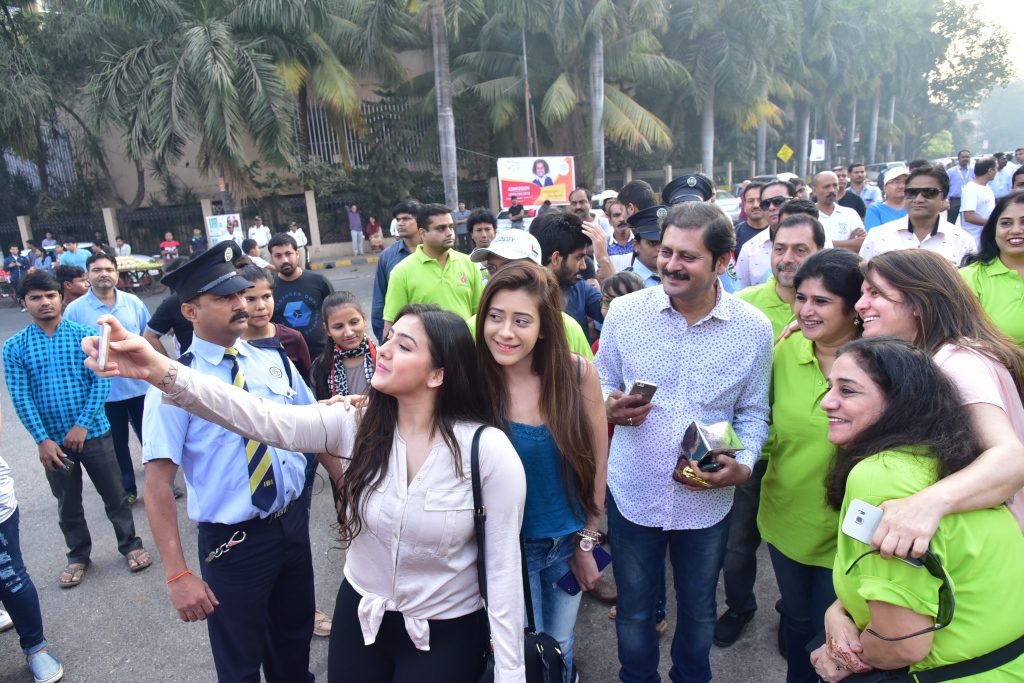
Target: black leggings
{"x":456,"y":655}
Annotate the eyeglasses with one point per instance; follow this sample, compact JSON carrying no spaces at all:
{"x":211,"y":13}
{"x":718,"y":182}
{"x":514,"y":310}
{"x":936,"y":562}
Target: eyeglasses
{"x":774,"y":201}
{"x":928,"y":192}
{"x":947,"y":600}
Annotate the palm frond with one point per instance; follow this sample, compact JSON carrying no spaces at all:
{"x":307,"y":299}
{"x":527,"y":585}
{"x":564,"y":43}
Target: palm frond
{"x":559,"y":101}
{"x":631,"y":125}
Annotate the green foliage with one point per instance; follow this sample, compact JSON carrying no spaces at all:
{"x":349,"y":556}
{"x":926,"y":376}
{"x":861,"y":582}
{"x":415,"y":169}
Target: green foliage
{"x":939,"y":145}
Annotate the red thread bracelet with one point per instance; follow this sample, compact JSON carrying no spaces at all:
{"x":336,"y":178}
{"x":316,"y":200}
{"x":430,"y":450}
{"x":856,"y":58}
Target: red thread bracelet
{"x":178,"y":576}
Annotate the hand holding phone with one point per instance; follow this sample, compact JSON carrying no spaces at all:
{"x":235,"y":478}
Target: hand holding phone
{"x":861,"y":520}
{"x":104,"y":346}
{"x":571,"y":585}
{"x":645,"y":390}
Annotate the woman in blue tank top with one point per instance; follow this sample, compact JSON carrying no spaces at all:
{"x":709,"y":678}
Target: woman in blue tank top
{"x":549,"y":401}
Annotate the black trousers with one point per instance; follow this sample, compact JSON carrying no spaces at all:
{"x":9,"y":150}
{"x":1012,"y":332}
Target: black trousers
{"x":121,"y":414}
{"x":456,"y":655}
{"x":740,"y":568}
{"x":954,"y":209}
{"x":265,"y":589}
{"x":97,"y":459}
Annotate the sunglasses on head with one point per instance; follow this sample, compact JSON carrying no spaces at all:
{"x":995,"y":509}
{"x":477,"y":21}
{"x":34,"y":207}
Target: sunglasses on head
{"x":947,"y":600}
{"x":928,"y":192}
{"x":774,"y":201}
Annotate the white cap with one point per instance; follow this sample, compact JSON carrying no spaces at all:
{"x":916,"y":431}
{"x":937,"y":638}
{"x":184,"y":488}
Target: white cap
{"x":607,"y":194}
{"x":891,"y":174}
{"x":513,"y":245}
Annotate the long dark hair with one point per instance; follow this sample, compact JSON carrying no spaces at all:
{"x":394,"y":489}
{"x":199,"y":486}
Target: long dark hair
{"x":459,"y":399}
{"x":947,"y":310}
{"x":922,"y":411}
{"x":320,"y":370}
{"x":561,"y":396}
{"x":988,"y":250}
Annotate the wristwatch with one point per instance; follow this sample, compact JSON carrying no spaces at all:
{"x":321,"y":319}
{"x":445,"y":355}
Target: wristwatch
{"x":587,"y":539}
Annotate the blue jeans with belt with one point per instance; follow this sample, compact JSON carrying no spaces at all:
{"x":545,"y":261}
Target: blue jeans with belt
{"x":17,"y":592}
{"x":554,"y":610}
{"x":696,"y":556}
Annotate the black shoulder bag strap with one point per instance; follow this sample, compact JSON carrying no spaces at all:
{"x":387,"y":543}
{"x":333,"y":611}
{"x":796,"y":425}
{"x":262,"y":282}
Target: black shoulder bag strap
{"x":479,"y":524}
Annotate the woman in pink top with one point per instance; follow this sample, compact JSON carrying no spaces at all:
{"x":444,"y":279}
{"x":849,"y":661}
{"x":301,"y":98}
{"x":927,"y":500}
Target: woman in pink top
{"x":918,"y":296}
{"x":409,"y":608}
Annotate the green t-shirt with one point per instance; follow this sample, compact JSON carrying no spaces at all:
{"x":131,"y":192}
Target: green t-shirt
{"x":766,"y":299}
{"x":1001,"y":292}
{"x":793,"y":515}
{"x":982,"y":552}
{"x":573,"y":334}
{"x":419,"y":279}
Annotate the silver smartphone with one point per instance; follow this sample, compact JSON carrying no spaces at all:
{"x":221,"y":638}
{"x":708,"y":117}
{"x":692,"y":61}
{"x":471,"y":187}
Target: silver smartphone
{"x":861,"y":521}
{"x":104,"y":350}
{"x":643,"y":389}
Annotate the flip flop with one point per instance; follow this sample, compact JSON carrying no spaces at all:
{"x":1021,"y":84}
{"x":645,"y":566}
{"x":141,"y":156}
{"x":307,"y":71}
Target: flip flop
{"x":72,"y":575}
{"x":321,"y":624}
{"x":138,"y":559}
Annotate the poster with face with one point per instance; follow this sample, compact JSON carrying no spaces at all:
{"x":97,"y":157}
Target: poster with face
{"x":532,"y":180}
{"x":217,"y":227}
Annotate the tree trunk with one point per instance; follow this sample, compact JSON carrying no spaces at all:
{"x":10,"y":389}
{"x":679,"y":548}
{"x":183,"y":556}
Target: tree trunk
{"x":805,"y":138}
{"x":762,"y":145}
{"x":851,"y":133}
{"x":42,"y":161}
{"x":140,"y":187}
{"x":892,"y":128}
{"x":445,"y":115}
{"x":597,"y":107}
{"x":707,"y":131}
{"x":527,"y":105}
{"x":873,"y":127}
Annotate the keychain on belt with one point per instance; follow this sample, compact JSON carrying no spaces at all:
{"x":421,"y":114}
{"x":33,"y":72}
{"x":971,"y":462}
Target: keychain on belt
{"x":236,"y":538}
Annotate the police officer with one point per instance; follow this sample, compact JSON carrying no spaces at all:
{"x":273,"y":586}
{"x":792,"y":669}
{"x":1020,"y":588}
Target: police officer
{"x":256,"y":590}
{"x":646,"y":227}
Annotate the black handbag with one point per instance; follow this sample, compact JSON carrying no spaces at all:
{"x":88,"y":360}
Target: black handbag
{"x":544,"y":660}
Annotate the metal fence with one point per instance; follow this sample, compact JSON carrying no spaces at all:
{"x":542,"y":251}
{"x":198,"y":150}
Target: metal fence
{"x":81,"y":228}
{"x":144,"y":229}
{"x":9,"y":235}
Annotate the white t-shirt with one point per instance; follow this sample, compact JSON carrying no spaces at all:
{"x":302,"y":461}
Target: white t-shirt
{"x":8,"y":502}
{"x":299,"y":237}
{"x":841,"y":224}
{"x":981,"y":200}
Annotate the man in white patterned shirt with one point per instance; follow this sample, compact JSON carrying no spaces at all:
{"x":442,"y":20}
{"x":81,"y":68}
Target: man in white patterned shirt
{"x":925,"y":225}
{"x":710,"y":356}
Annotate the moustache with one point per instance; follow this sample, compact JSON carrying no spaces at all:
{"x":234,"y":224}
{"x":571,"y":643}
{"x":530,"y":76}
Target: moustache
{"x":680,"y":275}
{"x":241,"y":315}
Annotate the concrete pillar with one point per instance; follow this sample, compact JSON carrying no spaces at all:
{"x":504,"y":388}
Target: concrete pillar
{"x":206,"y":206}
{"x":312,"y":219}
{"x":628,"y":177}
{"x":493,"y":195}
{"x":25,"y":228}
{"x":775,"y":166}
{"x":110,"y":223}
{"x":753,"y":169}
{"x":667,"y":172}
{"x":728,"y":175}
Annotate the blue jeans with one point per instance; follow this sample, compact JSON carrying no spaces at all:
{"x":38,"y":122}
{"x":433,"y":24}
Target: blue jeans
{"x":696,"y":556}
{"x":17,"y":592}
{"x":554,"y":610}
{"x":807,"y":592}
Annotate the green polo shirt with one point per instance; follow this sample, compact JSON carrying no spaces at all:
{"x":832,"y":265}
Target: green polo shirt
{"x":578,"y":343}
{"x":792,"y":515}
{"x":1001,"y":292}
{"x":420,"y":279}
{"x":766,"y":299}
{"x":982,"y":551}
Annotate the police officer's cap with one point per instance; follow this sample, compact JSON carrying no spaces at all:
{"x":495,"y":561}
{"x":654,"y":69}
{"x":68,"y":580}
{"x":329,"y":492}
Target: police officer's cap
{"x":646,"y":223}
{"x":211,"y":272}
{"x":693,"y":187}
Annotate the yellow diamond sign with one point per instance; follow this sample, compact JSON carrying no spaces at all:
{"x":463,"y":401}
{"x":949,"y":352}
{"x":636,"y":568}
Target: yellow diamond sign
{"x":785,"y":153}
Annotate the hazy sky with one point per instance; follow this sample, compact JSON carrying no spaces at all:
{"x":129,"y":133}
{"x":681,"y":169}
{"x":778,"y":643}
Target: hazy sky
{"x":1010,"y":14}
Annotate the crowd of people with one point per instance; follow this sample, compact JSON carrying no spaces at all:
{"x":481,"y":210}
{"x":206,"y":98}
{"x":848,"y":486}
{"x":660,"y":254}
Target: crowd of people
{"x":560,"y":366}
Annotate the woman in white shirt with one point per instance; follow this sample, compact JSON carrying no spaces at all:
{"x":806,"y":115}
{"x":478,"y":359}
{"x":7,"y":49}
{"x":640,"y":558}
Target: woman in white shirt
{"x":409,"y":608}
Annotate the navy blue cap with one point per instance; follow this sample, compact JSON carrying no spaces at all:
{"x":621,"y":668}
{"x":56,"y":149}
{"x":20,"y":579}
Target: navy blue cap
{"x":211,"y":272}
{"x":646,"y":223}
{"x":693,"y":187}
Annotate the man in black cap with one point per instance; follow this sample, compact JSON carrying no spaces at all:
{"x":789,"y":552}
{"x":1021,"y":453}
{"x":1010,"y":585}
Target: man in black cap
{"x":246,"y":497}
{"x":692,"y":187}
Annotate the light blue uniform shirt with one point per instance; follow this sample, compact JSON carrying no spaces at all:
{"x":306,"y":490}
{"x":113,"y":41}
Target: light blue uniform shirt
{"x":212,"y":458}
{"x":133,"y":316}
{"x":650,"y":278}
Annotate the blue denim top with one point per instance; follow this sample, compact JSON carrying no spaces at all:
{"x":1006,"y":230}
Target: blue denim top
{"x":548,"y":511}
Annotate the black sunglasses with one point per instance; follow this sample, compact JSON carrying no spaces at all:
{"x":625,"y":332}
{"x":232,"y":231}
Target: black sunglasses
{"x":928,"y":192}
{"x":774,"y":201}
{"x":947,"y":600}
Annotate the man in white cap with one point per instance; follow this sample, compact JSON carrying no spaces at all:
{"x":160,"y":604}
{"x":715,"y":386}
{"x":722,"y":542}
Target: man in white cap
{"x":516,"y":245}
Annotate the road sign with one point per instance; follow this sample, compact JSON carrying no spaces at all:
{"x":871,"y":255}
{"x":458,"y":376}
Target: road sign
{"x":817,"y":150}
{"x":785,"y":153}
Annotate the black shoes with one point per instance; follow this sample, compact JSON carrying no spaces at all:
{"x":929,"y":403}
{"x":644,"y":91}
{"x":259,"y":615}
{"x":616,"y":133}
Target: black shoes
{"x":730,"y":626}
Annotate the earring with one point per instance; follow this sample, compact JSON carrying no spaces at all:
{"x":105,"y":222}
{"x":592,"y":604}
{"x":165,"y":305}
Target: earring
{"x":857,"y":321}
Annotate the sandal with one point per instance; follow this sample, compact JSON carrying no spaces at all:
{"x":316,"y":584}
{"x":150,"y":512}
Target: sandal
{"x":72,"y":575}
{"x":321,"y":624}
{"x":138,"y":560}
